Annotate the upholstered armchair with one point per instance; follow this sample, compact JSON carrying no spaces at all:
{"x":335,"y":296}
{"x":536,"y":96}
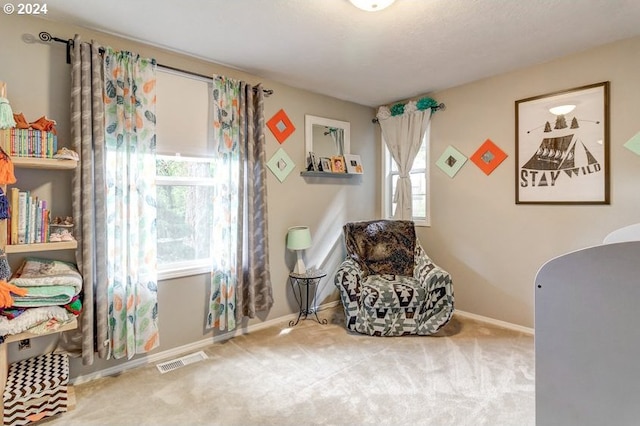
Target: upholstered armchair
{"x":388,"y":285}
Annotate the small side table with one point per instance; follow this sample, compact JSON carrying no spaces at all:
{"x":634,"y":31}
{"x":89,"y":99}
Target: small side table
{"x":311,"y":278}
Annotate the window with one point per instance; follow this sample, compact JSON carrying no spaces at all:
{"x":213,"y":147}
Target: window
{"x":419,"y":183}
{"x":184,"y":174}
{"x":184,"y":193}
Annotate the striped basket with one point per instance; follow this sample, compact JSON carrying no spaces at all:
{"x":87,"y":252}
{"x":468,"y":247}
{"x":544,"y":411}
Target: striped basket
{"x":36,"y":388}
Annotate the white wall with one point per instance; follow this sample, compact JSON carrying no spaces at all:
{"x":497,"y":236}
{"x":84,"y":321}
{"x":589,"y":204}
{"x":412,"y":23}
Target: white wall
{"x":493,"y":247}
{"x":38,"y":83}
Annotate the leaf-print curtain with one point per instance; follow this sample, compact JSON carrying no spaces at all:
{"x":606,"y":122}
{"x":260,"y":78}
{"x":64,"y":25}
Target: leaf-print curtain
{"x":130,"y":101}
{"x":240,"y":278}
{"x":226,"y":252}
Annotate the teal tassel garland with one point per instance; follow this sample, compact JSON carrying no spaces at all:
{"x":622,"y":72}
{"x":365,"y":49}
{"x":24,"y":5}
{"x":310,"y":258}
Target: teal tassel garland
{"x":425,"y":103}
{"x":6,"y":114}
{"x":397,"y":109}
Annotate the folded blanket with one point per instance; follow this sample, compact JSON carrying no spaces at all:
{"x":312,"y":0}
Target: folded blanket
{"x":45,"y":296}
{"x":31,"y":318}
{"x":36,"y":272}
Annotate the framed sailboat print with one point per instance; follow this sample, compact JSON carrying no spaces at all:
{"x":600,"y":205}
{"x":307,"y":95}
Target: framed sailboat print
{"x":562,"y":147}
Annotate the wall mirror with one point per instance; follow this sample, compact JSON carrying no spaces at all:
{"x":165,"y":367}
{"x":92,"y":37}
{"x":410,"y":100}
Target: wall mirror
{"x":326,"y":137}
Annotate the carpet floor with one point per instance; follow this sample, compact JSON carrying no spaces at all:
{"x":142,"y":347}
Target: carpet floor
{"x":471,"y":373}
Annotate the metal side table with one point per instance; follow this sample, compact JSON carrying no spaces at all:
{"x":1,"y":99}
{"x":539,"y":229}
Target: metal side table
{"x":309,"y":279}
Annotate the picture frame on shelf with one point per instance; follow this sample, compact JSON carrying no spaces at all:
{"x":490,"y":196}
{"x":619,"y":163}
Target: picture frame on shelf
{"x":562,"y":147}
{"x":337,"y":164}
{"x":312,"y":162}
{"x":325,"y":164}
{"x":353,"y":164}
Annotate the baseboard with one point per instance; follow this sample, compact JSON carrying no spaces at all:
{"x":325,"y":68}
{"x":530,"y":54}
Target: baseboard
{"x":191,"y":347}
{"x":495,"y":322}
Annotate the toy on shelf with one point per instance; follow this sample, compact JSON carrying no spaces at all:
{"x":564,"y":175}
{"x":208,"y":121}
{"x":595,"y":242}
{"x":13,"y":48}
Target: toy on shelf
{"x":61,"y":229}
{"x":65,"y":153}
{"x":6,"y":289}
{"x":43,"y":123}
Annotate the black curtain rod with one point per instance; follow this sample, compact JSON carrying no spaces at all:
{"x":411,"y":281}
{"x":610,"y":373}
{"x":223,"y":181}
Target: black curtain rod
{"x":45,"y":36}
{"x":440,"y":106}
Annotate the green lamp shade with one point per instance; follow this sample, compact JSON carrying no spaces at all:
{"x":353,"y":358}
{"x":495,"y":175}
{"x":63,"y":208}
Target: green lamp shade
{"x":298,"y":238}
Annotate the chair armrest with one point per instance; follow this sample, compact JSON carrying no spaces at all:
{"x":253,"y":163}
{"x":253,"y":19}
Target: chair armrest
{"x":348,"y":274}
{"x":349,"y":279}
{"x":427,"y":273}
{"x":438,"y":284}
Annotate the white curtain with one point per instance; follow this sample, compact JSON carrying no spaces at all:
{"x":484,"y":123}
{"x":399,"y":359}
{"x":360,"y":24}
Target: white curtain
{"x":403,"y":135}
{"x":338,"y":138}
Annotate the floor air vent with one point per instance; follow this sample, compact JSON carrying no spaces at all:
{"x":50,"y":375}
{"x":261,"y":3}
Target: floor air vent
{"x":174,"y":364}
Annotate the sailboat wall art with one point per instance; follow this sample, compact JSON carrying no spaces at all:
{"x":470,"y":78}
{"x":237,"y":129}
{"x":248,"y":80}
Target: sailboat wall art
{"x":562,"y":147}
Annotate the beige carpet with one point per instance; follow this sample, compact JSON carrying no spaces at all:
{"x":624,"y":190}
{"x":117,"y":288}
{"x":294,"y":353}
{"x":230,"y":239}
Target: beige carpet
{"x":470,"y":374}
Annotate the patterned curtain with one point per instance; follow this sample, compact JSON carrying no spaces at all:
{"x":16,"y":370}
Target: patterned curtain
{"x":254,"y":293}
{"x":130,"y":140}
{"x":240,"y":278}
{"x":87,"y":135}
{"x":226,"y":252}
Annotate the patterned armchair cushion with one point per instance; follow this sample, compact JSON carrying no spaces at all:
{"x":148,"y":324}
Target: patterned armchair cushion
{"x":392,"y":291}
{"x":382,"y":247}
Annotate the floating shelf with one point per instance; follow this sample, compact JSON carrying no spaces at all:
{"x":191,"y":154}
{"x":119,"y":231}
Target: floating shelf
{"x":329,"y":174}
{"x":25,"y":248}
{"x":44,"y":163}
{"x":72,"y":325}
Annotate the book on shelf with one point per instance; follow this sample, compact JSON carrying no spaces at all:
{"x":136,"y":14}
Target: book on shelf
{"x":21,"y":209}
{"x":31,"y":143}
{"x":13,"y":226}
{"x":30,"y":218}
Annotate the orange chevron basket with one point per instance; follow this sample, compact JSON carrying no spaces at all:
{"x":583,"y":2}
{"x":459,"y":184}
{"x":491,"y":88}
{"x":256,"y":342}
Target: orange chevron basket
{"x":36,"y":388}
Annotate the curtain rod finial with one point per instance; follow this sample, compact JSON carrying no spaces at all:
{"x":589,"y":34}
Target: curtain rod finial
{"x":44,"y":36}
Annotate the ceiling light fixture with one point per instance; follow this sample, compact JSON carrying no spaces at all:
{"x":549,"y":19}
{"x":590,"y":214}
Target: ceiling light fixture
{"x":562,"y":109}
{"x":372,"y":5}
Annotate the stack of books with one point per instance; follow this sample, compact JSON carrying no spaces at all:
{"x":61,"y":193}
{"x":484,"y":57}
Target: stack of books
{"x":30,"y":143}
{"x":29,"y":222}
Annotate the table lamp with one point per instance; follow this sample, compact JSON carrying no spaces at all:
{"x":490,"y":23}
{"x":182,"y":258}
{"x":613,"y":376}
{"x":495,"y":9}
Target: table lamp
{"x":298,"y":239}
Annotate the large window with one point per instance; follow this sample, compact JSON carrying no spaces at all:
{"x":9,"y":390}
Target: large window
{"x":184,"y":174}
{"x":419,"y":183}
{"x":185,"y":194}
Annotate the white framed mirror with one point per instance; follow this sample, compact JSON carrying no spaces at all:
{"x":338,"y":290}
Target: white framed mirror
{"x":326,"y":137}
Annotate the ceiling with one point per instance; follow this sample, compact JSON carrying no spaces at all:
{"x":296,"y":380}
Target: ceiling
{"x":328,"y":46}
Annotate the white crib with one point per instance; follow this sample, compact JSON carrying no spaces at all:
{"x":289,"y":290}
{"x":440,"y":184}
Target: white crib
{"x":587,"y":335}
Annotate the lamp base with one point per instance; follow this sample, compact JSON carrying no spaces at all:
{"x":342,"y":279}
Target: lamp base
{"x":299,"y":268}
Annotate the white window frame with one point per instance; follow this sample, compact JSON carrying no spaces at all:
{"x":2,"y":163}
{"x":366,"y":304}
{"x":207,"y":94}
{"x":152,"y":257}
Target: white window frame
{"x":387,"y":181}
{"x":195,"y":267}
{"x":192,"y":267}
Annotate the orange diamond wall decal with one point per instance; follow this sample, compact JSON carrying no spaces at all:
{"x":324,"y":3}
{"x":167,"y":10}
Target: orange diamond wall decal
{"x":488,"y":157}
{"x":281,"y":126}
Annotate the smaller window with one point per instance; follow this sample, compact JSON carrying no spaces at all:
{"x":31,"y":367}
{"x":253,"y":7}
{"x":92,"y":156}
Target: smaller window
{"x":419,"y":183}
{"x":185,"y":211}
